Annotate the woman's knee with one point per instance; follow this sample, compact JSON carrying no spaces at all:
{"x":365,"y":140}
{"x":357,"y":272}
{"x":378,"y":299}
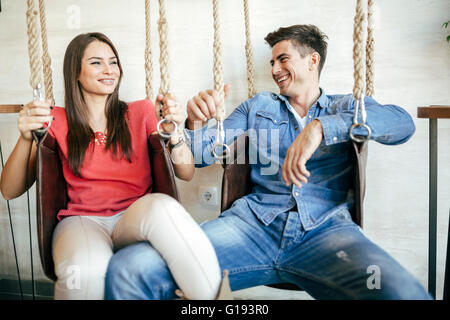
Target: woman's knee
{"x":154,"y":203}
{"x":142,"y":217}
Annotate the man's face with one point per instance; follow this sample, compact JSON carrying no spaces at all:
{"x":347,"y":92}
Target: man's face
{"x":289,"y":70}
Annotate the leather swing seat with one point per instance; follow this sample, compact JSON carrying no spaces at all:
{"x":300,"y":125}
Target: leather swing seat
{"x":51,"y":189}
{"x":236,"y":182}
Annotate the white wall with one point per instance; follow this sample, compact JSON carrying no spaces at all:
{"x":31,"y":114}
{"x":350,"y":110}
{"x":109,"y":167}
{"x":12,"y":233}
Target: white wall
{"x":412,"y":61}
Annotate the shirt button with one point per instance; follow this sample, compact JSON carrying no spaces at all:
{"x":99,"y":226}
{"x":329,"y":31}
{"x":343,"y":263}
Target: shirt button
{"x":309,"y":117}
{"x":275,"y":121}
{"x":296,"y":194}
{"x":334,"y":139}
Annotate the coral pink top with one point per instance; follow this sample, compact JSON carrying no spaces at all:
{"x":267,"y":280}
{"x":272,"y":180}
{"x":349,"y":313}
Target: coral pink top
{"x":108,"y":184}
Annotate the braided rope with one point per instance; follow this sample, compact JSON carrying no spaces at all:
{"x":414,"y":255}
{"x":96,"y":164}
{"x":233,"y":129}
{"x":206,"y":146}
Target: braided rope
{"x":46,"y":61}
{"x":370,"y":51}
{"x":33,"y":44}
{"x":249,"y":53}
{"x":358,"y":52}
{"x":148,"y":54}
{"x":164,"y":49}
{"x":217,"y":68}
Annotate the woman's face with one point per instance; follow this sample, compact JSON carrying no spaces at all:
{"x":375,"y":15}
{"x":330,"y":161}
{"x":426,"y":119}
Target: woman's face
{"x":100,"y":71}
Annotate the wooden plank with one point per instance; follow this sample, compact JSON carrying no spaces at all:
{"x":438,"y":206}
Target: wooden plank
{"x":433,"y":112}
{"x":10,"y":108}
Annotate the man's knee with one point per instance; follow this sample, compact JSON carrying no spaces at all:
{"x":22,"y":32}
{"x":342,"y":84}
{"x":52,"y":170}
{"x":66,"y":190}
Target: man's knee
{"x":393,"y":284}
{"x":138,"y":272}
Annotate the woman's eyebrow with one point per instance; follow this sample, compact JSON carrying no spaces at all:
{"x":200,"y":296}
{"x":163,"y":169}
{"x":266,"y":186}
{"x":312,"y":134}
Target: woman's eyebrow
{"x":102,"y":58}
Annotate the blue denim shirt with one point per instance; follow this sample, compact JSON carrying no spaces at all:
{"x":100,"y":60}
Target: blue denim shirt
{"x":269,"y":120}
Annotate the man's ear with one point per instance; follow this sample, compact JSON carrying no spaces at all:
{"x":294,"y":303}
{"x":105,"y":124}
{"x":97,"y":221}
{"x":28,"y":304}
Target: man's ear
{"x":314,"y":60}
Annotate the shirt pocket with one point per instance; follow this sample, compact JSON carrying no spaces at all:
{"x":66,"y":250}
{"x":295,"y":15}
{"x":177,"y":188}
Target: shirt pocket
{"x":267,"y":120}
{"x":269,"y":132}
{"x":269,"y":125}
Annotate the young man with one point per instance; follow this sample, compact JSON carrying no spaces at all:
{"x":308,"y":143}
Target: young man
{"x":295,"y":226}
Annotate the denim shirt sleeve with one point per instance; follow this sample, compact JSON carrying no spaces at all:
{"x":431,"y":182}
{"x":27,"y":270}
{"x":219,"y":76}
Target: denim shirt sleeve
{"x":202,"y":140}
{"x":390,"y":124}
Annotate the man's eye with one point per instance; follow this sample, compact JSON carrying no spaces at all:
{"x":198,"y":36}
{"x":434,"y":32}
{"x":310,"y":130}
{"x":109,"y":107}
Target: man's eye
{"x":114,"y":62}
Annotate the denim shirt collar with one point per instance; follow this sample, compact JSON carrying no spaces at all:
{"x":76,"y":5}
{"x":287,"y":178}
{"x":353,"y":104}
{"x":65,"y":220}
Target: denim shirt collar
{"x":323,"y":100}
{"x":314,"y":110}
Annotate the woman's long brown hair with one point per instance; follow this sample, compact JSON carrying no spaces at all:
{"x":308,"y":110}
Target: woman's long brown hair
{"x":80,"y":133}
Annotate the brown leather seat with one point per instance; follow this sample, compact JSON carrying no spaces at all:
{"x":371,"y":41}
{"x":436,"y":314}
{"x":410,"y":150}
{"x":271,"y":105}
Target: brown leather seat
{"x":51,"y":191}
{"x":236,"y":182}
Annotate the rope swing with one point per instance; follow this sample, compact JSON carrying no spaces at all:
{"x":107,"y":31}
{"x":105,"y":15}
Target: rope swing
{"x":363,"y":56}
{"x":46,"y":61}
{"x":249,"y":53}
{"x":219,"y":88}
{"x":148,"y":55}
{"x":163,"y":65}
{"x":369,"y":51}
{"x":33,"y":45}
{"x":360,"y":74}
{"x":36,"y":66}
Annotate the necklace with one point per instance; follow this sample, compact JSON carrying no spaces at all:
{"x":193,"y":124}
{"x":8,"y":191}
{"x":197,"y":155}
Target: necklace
{"x":100,"y":138}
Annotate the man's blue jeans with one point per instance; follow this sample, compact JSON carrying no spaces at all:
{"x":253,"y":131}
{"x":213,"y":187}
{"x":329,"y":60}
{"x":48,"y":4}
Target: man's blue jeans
{"x":333,"y":261}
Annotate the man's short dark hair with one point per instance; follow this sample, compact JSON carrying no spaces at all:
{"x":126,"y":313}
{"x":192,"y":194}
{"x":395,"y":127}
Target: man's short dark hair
{"x":306,"y":37}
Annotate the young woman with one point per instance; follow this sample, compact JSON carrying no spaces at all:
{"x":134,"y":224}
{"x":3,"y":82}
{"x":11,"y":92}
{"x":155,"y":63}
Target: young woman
{"x":103,"y":148}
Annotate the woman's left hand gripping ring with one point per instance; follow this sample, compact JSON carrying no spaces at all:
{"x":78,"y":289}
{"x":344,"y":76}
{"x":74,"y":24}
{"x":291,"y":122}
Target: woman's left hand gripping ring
{"x":166,"y":135}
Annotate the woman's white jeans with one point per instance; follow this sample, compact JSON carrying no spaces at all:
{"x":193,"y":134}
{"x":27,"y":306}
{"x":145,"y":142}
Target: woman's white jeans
{"x":83,"y":246}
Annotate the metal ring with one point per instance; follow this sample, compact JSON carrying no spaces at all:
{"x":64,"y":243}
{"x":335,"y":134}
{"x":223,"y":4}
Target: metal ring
{"x":165,"y":134}
{"x":28,"y":112}
{"x":224,"y":155}
{"x":360,"y":139}
{"x":42,"y":131}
